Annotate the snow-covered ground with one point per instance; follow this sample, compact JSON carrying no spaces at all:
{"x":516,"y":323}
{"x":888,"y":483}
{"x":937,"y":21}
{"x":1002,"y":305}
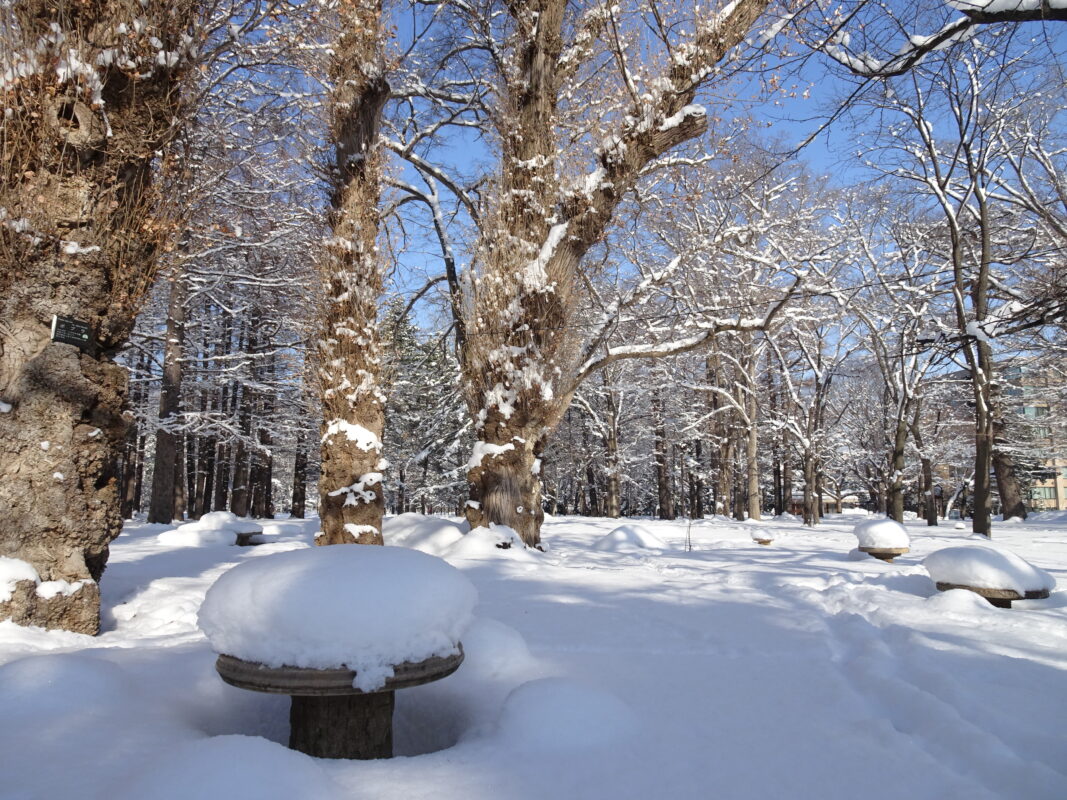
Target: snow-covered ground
{"x":628,"y":670}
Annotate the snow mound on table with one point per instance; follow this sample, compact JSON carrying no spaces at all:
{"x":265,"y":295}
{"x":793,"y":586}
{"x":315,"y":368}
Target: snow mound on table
{"x":13,"y":570}
{"x":986,"y":568}
{"x":230,"y":766}
{"x":886,"y":533}
{"x":492,"y":542}
{"x":433,"y":535}
{"x":218,"y":527}
{"x":764,"y":534}
{"x":362,"y":606}
{"x":562,"y":714}
{"x":629,"y":537}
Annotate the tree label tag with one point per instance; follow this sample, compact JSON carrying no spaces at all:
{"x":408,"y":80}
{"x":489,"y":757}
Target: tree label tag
{"x":68,"y":330}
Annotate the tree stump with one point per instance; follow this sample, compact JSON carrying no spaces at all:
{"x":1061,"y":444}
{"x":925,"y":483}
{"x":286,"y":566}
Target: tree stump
{"x":1001,"y":598}
{"x":328,"y":716}
{"x":886,"y":554}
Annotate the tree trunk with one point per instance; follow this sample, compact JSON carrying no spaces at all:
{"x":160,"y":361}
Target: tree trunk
{"x":696,"y":486}
{"x":983,"y":449}
{"x":179,"y":478}
{"x":752,"y":466}
{"x":165,"y":474}
{"x":740,"y":487}
{"x":811,"y":502}
{"x":133,"y":455}
{"x":613,"y":494}
{"x":787,"y":482}
{"x":223,"y":470}
{"x":895,"y":502}
{"x":665,"y":505}
{"x":1011,"y":496}
{"x":239,"y":493}
{"x":351,"y":502}
{"x":504,"y":484}
{"x":81,"y":186}
{"x":300,"y":478}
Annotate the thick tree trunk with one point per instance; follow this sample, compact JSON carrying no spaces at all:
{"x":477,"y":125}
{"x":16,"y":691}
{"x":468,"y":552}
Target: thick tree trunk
{"x":1011,"y":495}
{"x":76,"y":173}
{"x":351,"y":502}
{"x":165,"y":473}
{"x":504,"y":484}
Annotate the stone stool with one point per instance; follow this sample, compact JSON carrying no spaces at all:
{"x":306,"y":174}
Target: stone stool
{"x":328,"y":716}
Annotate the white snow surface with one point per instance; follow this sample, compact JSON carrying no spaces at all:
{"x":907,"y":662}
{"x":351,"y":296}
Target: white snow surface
{"x":214,"y":528}
{"x":628,"y":538}
{"x":364,"y":607}
{"x":986,"y":568}
{"x":880,"y":532}
{"x":728,"y":671}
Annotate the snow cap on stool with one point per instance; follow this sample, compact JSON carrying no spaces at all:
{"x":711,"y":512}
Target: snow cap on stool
{"x":363,"y":607}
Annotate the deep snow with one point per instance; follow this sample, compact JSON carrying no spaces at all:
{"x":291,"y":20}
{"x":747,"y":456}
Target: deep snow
{"x":729,"y":670}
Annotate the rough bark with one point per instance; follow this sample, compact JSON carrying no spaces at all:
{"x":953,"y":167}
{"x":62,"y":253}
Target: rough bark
{"x":80,"y":238}
{"x":1011,"y":494}
{"x":351,"y":503}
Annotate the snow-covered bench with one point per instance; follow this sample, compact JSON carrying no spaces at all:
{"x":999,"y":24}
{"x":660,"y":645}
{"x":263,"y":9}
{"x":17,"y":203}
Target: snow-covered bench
{"x":1001,"y":577}
{"x":339,"y":629}
{"x":884,"y":539}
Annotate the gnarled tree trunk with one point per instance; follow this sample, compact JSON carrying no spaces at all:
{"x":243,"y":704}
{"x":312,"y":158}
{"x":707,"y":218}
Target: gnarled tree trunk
{"x":79,"y":237}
